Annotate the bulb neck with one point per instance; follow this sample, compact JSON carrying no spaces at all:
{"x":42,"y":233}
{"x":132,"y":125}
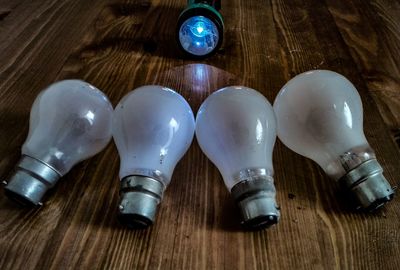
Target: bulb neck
{"x":30,"y":181}
{"x":255,"y":198}
{"x":368,"y":185}
{"x":139,"y":199}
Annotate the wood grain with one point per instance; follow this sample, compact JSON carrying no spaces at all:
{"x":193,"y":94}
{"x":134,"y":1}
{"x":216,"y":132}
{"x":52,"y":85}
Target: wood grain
{"x":118,"y":45}
{"x":372,"y":33}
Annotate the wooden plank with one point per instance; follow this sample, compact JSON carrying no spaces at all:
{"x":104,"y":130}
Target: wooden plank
{"x":120,"y":45}
{"x":371,"y":30}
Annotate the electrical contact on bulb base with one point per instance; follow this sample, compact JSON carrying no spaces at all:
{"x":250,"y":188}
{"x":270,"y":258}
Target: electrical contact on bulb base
{"x":367,"y":183}
{"x":255,"y":198}
{"x":30,"y":181}
{"x":139,"y":199}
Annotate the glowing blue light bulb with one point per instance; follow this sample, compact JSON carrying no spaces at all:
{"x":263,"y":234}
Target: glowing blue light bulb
{"x":198,"y":35}
{"x":199,"y":29}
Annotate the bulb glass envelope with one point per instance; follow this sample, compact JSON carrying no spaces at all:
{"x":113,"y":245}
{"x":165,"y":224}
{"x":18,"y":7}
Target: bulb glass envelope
{"x":200,"y":29}
{"x":153,"y":128}
{"x":320,"y":116}
{"x":70,"y":121}
{"x":236,"y":129}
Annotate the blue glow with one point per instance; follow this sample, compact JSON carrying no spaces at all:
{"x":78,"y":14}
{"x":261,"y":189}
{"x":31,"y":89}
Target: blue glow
{"x":198,"y":35}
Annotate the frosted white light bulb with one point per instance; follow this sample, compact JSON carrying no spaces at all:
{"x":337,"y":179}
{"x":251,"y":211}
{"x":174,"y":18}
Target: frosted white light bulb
{"x":235,"y":128}
{"x":70,"y":121}
{"x":320,"y":116}
{"x":153,"y":128}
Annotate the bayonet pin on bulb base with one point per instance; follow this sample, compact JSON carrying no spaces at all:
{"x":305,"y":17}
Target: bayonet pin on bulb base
{"x":30,"y":181}
{"x":139,"y":199}
{"x":367,"y":183}
{"x":256,"y":201}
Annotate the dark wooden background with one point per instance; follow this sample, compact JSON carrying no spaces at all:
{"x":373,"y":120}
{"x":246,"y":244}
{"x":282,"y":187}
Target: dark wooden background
{"x":118,"y":45}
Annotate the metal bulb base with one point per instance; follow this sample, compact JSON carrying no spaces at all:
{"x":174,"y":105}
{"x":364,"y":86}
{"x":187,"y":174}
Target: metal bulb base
{"x":139,"y":199}
{"x":368,"y":185}
{"x":256,"y":201}
{"x":30,"y":181}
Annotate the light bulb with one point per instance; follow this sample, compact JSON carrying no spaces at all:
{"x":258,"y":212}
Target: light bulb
{"x":198,"y":35}
{"x":70,"y":121}
{"x":153,"y":127}
{"x":200,"y":28}
{"x":235,"y":128}
{"x":320,"y":116}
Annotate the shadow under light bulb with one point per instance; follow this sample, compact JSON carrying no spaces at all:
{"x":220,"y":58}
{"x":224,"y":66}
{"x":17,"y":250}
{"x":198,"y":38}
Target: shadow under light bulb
{"x":320,"y":116}
{"x":200,"y":28}
{"x":153,"y":128}
{"x":235,"y":128}
{"x":70,"y":121}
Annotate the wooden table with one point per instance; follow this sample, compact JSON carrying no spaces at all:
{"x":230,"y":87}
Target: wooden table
{"x":118,"y":45}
